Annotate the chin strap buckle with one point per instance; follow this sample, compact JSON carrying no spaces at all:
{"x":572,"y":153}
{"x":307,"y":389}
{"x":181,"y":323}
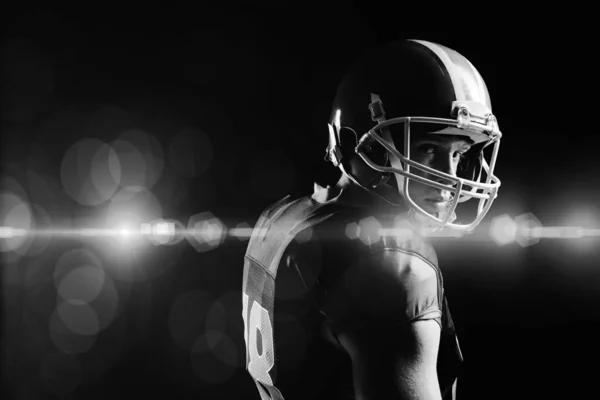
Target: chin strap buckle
{"x":376,"y":108}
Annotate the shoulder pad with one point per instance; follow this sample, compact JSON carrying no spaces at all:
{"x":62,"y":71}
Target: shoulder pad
{"x":387,"y":232}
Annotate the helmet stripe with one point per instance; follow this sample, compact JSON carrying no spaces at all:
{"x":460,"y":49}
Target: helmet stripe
{"x":454,"y":62}
{"x":448,"y":66}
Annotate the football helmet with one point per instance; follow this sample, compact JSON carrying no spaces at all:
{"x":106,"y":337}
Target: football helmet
{"x":404,"y":88}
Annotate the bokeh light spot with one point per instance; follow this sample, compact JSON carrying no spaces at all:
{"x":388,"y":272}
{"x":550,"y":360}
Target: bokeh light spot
{"x":165,"y":232}
{"x":133,"y":164}
{"x":106,"y":303}
{"x":67,"y":340}
{"x":207,"y":231}
{"x":16,"y":214}
{"x":38,"y":243}
{"x":106,"y":171}
{"x":352,"y":230}
{"x":79,"y":317}
{"x":527,"y":224}
{"x":172,"y":190}
{"x":242,"y":231}
{"x":150,"y":149}
{"x":503,"y":230}
{"x":305,"y":235}
{"x":87,"y":173}
{"x":72,"y":260}
{"x":370,"y":230}
{"x":128,"y":210}
{"x":42,"y":188}
{"x":83,"y":283}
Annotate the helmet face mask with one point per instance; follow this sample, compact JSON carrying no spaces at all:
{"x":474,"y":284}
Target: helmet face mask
{"x":461,"y":188}
{"x":385,"y":143}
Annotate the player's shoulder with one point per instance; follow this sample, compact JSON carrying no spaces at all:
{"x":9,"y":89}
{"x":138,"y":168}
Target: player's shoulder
{"x":391,"y":236}
{"x":290,"y":210}
{"x":275,"y":208}
{"x":282,"y":220}
{"x":393,"y":251}
{"x":390,"y":277}
{"x":376,"y":243}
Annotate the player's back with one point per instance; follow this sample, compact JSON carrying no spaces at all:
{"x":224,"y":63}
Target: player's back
{"x":303,"y":259}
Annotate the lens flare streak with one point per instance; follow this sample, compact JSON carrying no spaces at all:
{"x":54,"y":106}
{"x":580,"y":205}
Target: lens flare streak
{"x":561,"y":232}
{"x":168,"y":230}
{"x":209,"y":231}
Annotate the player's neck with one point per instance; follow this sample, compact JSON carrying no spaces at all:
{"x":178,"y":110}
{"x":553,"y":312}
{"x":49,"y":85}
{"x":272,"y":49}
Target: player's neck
{"x":347,"y":192}
{"x":350,"y":193}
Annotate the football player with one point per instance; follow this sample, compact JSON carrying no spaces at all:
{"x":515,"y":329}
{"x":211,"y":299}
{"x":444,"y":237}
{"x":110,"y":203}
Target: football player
{"x":342,"y":294}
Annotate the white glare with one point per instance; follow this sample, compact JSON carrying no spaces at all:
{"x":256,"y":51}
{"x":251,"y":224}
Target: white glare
{"x":165,"y":228}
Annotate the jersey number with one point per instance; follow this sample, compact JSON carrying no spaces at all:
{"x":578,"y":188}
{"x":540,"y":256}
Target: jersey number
{"x":260,"y":364}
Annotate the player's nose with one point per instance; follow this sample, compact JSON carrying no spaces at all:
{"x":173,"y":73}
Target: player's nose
{"x":443,"y":180}
{"x":446,"y":166}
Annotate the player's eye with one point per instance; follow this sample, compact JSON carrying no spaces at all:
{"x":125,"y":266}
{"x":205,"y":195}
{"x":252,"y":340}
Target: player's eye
{"x":427,"y":149}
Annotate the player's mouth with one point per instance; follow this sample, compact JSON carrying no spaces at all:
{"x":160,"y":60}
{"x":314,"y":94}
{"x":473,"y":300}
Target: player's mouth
{"x":437,"y":203}
{"x":438,"y":199}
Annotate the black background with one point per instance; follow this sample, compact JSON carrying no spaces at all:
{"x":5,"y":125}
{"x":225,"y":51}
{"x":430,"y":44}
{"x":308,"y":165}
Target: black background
{"x":260,"y":82}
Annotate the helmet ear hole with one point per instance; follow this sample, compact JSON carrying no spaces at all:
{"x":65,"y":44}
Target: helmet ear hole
{"x":347,"y":137}
{"x":373,"y":150}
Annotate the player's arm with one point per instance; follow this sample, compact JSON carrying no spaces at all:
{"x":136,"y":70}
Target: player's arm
{"x":394,"y":363}
{"x":390,"y":327}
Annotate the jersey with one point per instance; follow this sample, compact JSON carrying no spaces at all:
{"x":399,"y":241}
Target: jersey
{"x":306,"y":273}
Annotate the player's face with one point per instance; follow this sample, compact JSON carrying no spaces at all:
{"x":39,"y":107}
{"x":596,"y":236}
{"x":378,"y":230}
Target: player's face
{"x":442,"y":153}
